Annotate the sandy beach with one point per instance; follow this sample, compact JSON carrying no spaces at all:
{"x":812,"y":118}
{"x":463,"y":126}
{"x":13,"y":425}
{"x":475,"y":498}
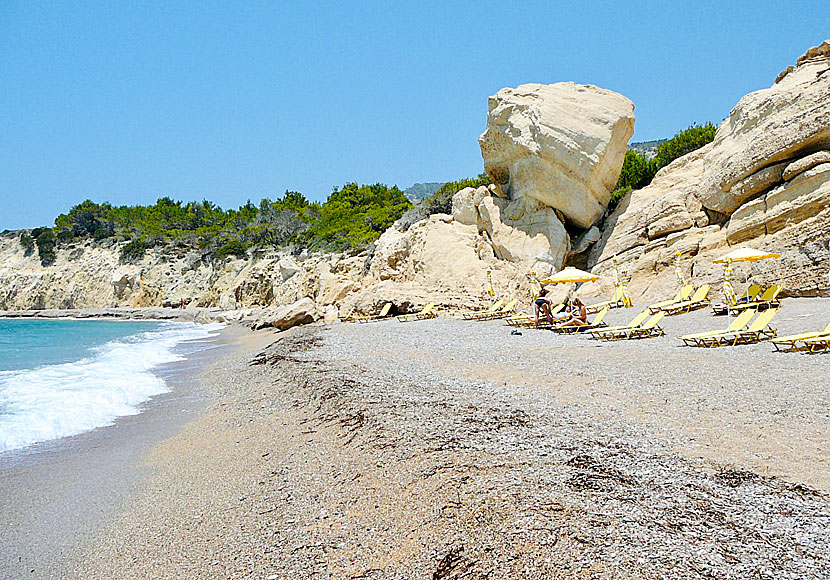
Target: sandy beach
{"x":453,"y":449}
{"x":57,"y":493}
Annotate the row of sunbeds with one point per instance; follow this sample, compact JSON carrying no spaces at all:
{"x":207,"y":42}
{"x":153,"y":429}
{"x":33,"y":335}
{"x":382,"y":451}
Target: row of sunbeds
{"x":750,"y":326}
{"x":426,"y":312}
{"x":688,"y":299}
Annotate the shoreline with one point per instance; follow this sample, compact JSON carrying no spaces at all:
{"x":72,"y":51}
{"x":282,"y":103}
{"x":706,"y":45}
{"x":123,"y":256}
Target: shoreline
{"x":116,"y":313}
{"x":445,"y":449}
{"x":57,"y":493}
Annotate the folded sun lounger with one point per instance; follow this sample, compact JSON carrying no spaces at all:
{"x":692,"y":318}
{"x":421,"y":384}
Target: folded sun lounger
{"x":427,"y":312}
{"x":607,"y":332}
{"x":682,"y":295}
{"x":739,"y":323}
{"x":791,"y":341}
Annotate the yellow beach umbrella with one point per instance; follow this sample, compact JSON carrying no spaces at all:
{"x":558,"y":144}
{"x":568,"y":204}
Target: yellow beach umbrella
{"x":744,"y":254}
{"x":747,"y":255}
{"x":571,"y":275}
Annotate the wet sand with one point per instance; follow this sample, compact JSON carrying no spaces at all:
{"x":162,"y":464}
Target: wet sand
{"x":55,"y":495}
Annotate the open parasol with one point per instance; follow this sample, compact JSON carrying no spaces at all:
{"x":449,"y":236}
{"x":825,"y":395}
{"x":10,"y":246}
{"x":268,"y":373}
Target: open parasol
{"x":746,"y":255}
{"x":571,"y":275}
{"x":743,"y":254}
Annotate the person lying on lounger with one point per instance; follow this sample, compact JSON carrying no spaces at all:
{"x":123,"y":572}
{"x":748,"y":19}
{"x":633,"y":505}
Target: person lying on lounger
{"x":578,"y":317}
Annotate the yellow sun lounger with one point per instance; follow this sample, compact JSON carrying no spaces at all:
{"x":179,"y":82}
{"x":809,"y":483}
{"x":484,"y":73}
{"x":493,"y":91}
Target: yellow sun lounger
{"x":597,"y":323}
{"x":791,"y":341}
{"x":471,"y":314}
{"x":427,"y":312}
{"x":818,"y":343}
{"x":699,"y":300}
{"x":384,"y":313}
{"x":530,"y":320}
{"x":682,"y":295}
{"x":766,"y":300}
{"x":750,"y":295}
{"x":650,"y":328}
{"x":505,"y":310}
{"x":739,"y":323}
{"x":758,"y":330}
{"x":618,"y":301}
{"x":604,"y":333}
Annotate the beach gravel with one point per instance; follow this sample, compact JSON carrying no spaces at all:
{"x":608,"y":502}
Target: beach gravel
{"x":449,"y":449}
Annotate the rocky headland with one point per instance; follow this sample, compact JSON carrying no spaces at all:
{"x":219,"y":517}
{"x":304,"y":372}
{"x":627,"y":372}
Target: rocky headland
{"x":554,"y":153}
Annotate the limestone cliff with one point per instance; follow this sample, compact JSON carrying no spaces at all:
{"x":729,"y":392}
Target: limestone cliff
{"x":764,"y":182}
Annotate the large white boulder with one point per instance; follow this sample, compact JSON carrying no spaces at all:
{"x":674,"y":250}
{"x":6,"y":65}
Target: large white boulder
{"x":303,"y":311}
{"x":561,"y":144}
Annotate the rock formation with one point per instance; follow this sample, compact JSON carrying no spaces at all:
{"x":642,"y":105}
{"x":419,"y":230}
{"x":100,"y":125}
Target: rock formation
{"x":561,"y":144}
{"x":554,"y":153}
{"x":764,"y":181}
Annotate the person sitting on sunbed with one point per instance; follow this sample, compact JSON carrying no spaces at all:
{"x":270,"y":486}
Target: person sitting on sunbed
{"x":542,"y":305}
{"x":578,"y":315}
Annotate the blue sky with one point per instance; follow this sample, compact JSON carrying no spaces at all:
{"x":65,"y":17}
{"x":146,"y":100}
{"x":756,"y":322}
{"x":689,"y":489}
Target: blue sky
{"x":128,"y":102}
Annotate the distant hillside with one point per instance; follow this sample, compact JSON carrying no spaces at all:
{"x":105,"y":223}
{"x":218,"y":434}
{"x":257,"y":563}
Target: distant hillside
{"x":647,"y":148}
{"x":421,"y":191}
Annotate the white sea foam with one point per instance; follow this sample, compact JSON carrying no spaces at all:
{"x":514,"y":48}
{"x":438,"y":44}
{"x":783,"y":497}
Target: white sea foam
{"x":55,"y":401}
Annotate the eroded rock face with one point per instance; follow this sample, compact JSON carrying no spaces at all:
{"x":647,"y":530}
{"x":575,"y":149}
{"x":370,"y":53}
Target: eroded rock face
{"x":561,"y":144}
{"x":770,"y":127}
{"x":764,"y":181}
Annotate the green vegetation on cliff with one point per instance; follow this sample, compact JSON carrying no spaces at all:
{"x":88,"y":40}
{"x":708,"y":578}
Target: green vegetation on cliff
{"x":684,"y":142}
{"x":638,"y":171}
{"x":441,"y":200}
{"x":351,"y":218}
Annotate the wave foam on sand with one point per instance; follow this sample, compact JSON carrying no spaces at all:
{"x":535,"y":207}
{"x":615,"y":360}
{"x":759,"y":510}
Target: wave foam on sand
{"x":54,"y":401}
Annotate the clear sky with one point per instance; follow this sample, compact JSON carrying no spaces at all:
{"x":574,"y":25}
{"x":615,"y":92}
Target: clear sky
{"x":128,"y":102}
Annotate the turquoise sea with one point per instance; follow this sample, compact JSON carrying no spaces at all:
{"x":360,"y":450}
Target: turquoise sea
{"x":64,"y":377}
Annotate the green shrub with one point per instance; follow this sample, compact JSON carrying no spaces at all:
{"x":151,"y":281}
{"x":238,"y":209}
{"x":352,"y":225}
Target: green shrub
{"x":134,"y":250}
{"x":441,"y":200}
{"x":684,"y":142}
{"x":637,"y":171}
{"x":46,"y":246}
{"x":617,"y":196}
{"x":230,"y":248}
{"x":353,"y":217}
{"x":27,"y":242}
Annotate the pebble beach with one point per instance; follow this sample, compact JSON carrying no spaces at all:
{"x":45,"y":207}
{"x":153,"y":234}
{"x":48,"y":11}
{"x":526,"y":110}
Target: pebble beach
{"x":455,"y":449}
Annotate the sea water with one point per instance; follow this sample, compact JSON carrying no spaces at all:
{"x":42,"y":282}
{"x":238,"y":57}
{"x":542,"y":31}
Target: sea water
{"x":64,"y":377}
